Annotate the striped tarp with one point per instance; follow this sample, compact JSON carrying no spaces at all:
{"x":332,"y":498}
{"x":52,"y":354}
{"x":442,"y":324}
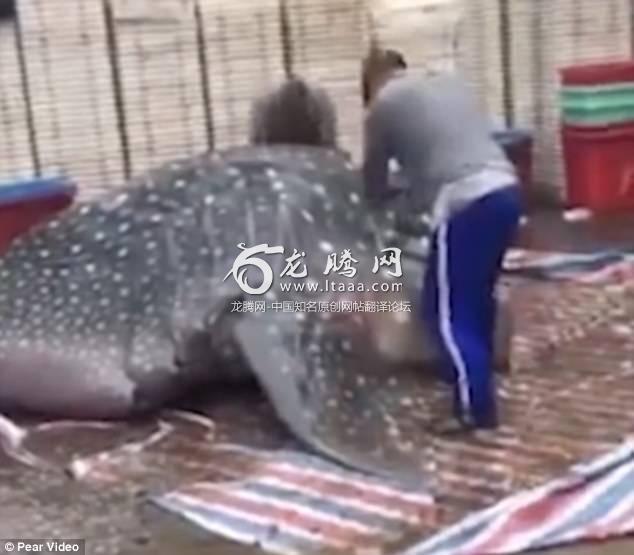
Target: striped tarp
{"x":292,"y":503}
{"x":594,"y":502}
{"x":594,"y":267}
{"x":295,"y":504}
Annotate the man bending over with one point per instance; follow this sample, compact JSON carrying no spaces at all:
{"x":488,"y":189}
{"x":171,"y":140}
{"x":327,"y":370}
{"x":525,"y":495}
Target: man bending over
{"x":455,"y":172}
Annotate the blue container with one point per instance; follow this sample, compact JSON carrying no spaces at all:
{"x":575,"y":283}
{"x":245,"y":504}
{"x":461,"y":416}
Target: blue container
{"x":35,"y":189}
{"x":518,"y":146}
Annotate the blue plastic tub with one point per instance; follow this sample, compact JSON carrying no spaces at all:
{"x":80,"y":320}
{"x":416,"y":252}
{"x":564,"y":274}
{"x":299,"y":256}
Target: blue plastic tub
{"x":518,"y":145}
{"x":35,"y":189}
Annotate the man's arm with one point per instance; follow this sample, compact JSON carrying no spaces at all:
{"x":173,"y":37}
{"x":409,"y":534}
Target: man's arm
{"x":377,"y":155}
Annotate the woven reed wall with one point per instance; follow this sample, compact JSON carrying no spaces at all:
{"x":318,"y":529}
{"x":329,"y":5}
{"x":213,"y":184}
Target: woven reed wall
{"x":102,"y":89}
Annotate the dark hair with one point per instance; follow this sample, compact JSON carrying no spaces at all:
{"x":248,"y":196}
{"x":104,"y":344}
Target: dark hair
{"x":295,"y":113}
{"x":395,"y":59}
{"x":378,"y":61}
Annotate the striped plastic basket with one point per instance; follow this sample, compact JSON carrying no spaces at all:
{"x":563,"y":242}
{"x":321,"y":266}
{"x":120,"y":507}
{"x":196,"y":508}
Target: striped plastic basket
{"x":598,"y":106}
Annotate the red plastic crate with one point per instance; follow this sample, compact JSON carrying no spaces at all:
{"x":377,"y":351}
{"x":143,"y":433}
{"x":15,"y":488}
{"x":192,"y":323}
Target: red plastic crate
{"x":598,"y":74}
{"x":600,"y":168}
{"x":24,"y":205}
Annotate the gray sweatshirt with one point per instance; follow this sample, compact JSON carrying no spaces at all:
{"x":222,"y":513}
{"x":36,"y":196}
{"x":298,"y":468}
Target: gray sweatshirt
{"x":434,"y":128}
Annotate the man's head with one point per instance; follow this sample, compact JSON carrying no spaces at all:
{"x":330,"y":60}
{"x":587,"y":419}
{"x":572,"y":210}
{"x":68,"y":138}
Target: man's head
{"x":295,"y":113}
{"x":378,"y":67}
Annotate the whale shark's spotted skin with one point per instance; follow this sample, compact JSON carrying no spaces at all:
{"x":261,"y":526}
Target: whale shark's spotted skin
{"x":121,"y":304}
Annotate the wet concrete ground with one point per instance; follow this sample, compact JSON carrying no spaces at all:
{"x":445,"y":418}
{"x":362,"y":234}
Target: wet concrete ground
{"x":116,"y":519}
{"x":547,"y":231}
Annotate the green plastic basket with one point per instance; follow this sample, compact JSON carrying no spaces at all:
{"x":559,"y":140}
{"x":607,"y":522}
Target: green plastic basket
{"x":598,"y":106}
{"x":600,"y":118}
{"x":604,"y":94}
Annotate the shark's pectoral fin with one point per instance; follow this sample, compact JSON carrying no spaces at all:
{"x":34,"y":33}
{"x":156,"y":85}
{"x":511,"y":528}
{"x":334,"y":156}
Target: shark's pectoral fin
{"x":321,"y":394}
{"x":279,"y":373}
{"x":227,"y":356}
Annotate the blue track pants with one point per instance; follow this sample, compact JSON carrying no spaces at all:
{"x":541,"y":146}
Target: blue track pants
{"x":459,"y":302}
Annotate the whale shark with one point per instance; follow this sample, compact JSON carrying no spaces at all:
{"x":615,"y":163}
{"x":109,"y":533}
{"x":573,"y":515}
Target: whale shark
{"x":254,"y":263}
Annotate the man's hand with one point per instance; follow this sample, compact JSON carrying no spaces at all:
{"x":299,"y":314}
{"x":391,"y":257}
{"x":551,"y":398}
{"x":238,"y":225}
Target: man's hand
{"x":413,"y":225}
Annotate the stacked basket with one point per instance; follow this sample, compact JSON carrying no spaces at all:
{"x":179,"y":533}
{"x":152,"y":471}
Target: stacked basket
{"x":590,"y":99}
{"x":597,"y":105}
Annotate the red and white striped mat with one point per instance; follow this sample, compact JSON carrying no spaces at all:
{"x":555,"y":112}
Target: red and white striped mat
{"x":293,"y":503}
